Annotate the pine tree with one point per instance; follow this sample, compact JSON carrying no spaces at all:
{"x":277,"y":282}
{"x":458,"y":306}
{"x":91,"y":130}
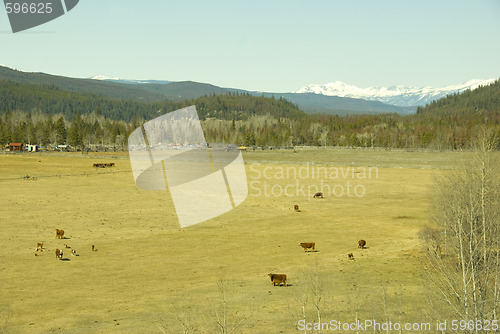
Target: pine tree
{"x":60,"y":131}
{"x":75,"y":132}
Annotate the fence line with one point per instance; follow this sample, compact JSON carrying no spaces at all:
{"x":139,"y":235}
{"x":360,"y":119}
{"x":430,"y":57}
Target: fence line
{"x":22,"y":178}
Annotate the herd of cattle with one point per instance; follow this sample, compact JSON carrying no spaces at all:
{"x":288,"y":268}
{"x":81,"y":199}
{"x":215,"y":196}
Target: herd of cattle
{"x":104,"y":165}
{"x":59,"y":252}
{"x":278,"y":279}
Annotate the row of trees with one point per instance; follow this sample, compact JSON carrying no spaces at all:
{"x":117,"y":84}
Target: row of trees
{"x":387,"y":130}
{"x":45,"y":130}
{"x":242,"y":119}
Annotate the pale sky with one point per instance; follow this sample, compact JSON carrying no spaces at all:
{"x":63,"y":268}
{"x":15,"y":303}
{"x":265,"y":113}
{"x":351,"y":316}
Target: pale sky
{"x":276,"y":46}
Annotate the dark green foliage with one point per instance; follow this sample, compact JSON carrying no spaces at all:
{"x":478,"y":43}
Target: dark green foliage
{"x":76,"y":132}
{"x":83,"y":86}
{"x":241,"y":107}
{"x":60,"y":131}
{"x":180,"y":91}
{"x":483,"y":99}
{"x":52,"y":100}
{"x":48,"y":115}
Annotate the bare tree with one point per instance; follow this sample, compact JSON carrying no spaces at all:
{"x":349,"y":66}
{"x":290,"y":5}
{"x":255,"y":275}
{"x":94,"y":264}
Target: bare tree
{"x":317,"y":289}
{"x":463,"y":259}
{"x":301,"y":298}
{"x":185,"y":319}
{"x":222,"y":314}
{"x":312,"y":295}
{"x":188,"y":317}
{"x":355,"y":301}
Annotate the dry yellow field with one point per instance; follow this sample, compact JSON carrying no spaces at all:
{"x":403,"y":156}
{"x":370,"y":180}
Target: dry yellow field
{"x":150,"y":276}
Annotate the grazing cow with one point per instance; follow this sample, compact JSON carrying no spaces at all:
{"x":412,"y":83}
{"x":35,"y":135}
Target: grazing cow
{"x":319,"y":194}
{"x":39,"y":245}
{"x":350,"y":256}
{"x":307,"y":245}
{"x":278,"y":279}
{"x":73,"y":252}
{"x":59,"y":234}
{"x":361,"y":244}
{"x":59,"y":253}
{"x":296,"y":208}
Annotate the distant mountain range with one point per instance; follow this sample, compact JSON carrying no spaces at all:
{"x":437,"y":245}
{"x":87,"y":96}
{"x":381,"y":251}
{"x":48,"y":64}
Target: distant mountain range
{"x":125,"y":81}
{"x":396,"y":96}
{"x":337,"y":98}
{"x":404,"y":96}
{"x":309,"y":102}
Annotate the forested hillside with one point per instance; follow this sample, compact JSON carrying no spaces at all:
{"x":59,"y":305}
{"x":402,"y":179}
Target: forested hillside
{"x":89,"y":86}
{"x":47,"y":115}
{"x":52,"y":100}
{"x":482,"y":100}
{"x":184,"y":90}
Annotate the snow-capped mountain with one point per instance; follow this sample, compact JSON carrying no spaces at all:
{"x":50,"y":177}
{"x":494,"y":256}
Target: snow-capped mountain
{"x":395,"y":95}
{"x":126,"y":81}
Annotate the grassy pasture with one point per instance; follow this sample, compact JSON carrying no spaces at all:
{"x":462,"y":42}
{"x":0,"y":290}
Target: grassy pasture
{"x":149,"y":276}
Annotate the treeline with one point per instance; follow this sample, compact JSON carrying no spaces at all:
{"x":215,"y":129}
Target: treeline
{"x":449,"y":123}
{"x":45,"y":115}
{"x":45,"y":130}
{"x":242,"y":119}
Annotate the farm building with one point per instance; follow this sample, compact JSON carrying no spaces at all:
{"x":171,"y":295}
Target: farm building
{"x":16,"y":147}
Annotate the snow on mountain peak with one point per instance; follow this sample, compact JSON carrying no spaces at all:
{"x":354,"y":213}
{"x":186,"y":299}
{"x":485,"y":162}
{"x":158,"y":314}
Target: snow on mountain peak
{"x":395,"y":95}
{"x":126,"y":81}
{"x":102,"y":77}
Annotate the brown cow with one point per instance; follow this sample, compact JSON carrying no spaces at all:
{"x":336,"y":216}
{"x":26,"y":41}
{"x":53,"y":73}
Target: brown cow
{"x":278,"y":279}
{"x":296,"y":208}
{"x":350,"y":256}
{"x":59,"y":234}
{"x":307,"y":245}
{"x":39,"y":245}
{"x":59,"y":254}
{"x":67,"y":246}
{"x":361,"y":244}
{"x":318,"y":194}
